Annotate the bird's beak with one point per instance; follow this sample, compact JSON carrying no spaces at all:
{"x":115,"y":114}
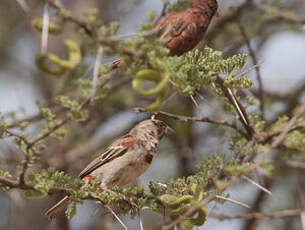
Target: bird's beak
{"x":169,"y":130}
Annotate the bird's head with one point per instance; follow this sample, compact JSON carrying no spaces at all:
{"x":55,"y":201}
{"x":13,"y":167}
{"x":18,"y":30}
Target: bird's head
{"x":152,"y":127}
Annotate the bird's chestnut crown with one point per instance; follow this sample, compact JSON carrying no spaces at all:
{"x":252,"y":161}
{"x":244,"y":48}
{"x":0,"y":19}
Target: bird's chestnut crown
{"x":163,"y":128}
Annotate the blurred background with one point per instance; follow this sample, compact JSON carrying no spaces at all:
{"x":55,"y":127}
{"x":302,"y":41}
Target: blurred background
{"x":279,"y":45}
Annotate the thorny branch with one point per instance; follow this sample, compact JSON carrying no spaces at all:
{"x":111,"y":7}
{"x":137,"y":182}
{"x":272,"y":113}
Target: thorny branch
{"x":31,"y":143}
{"x":277,"y":137}
{"x":24,"y":162}
{"x":276,"y":142}
{"x":259,"y":215}
{"x":13,"y":134}
{"x":198,"y":119}
{"x":26,"y":186}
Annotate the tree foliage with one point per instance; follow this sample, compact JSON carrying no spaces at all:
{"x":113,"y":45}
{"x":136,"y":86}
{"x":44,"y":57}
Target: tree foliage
{"x":149,"y":77}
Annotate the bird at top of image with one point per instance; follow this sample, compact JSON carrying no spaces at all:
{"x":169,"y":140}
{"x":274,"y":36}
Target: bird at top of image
{"x":185,"y":29}
{"x":123,"y":161}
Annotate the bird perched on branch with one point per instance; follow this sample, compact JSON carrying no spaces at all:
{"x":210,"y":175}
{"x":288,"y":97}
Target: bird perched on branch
{"x":185,"y":29}
{"x":123,"y":161}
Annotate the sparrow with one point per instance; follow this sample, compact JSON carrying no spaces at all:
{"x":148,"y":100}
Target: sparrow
{"x":185,"y":29}
{"x":123,"y":161}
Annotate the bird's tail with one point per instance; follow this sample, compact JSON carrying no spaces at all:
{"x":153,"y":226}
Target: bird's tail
{"x":58,"y":208}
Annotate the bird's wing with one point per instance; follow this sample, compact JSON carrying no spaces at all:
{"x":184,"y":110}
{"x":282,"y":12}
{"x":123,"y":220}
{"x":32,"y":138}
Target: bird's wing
{"x":182,"y":30}
{"x":117,"y":149}
{"x":171,"y":26}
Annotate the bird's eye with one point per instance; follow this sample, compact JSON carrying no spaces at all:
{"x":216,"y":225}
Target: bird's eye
{"x":161,"y":125}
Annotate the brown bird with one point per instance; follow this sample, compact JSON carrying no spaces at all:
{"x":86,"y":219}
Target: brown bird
{"x":185,"y":29}
{"x":123,"y":161}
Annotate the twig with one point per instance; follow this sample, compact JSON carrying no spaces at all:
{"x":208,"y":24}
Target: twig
{"x":198,"y":119}
{"x":258,"y":215}
{"x":38,"y":117}
{"x":24,"y":162}
{"x":257,"y":69}
{"x":13,"y":134}
{"x":61,"y":123}
{"x":47,"y":134}
{"x":11,"y":183}
{"x":84,"y":104}
{"x":233,"y":201}
{"x":27,"y":186}
{"x":69,"y":17}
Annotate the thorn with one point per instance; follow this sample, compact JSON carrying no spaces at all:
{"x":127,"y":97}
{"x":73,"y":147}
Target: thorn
{"x":257,"y":185}
{"x":96,"y":72}
{"x":45,"y":29}
{"x":116,"y":216}
{"x":249,"y":69}
{"x":140,"y":220}
{"x":163,"y":185}
{"x":237,"y":106}
{"x":24,"y":6}
{"x":233,"y":201}
{"x":195,"y":102}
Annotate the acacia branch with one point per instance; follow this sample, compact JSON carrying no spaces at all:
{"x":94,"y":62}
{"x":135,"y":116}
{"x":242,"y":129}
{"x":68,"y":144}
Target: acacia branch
{"x":259,"y":215}
{"x":15,"y":184}
{"x":69,"y":17}
{"x":24,"y":162}
{"x":16,"y":135}
{"x":197,"y":119}
{"x":281,"y":14}
{"x":276,"y":142}
{"x":27,"y":186}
